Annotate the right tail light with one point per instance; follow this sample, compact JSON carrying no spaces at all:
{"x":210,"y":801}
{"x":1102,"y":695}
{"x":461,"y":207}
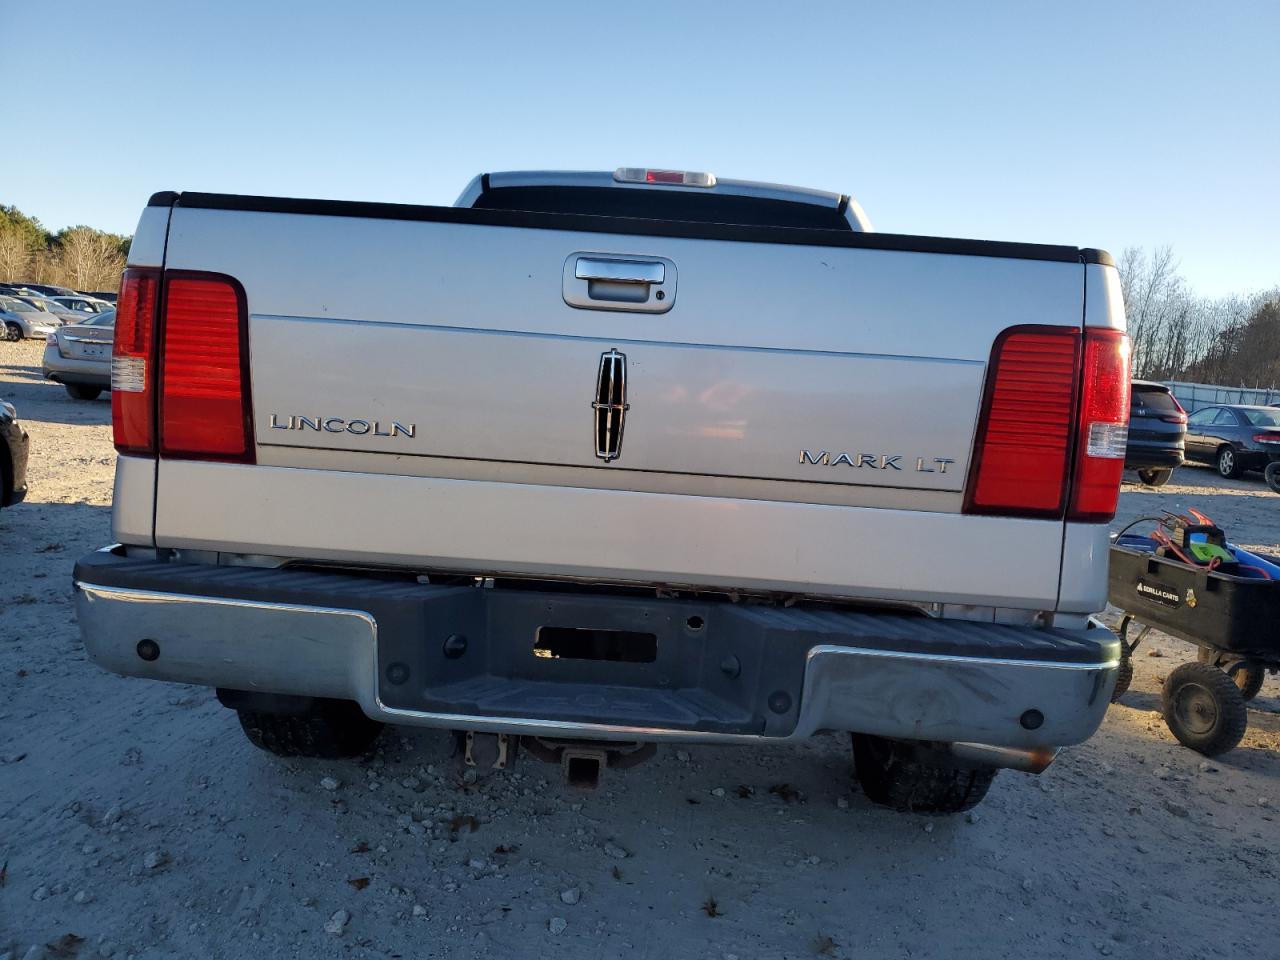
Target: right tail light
{"x":1103,"y":427}
{"x":1053,"y":426}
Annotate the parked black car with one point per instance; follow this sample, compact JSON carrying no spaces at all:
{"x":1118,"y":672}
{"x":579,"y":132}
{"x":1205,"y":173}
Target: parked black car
{"x":13,"y":457}
{"x":1157,"y":432}
{"x":1234,"y":438}
{"x":44,"y":289}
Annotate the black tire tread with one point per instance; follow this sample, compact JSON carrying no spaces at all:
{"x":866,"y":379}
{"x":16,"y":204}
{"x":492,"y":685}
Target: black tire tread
{"x":1156,"y":476}
{"x":903,"y":777}
{"x":333,"y":729}
{"x":1272,"y":476}
{"x":1233,"y":714}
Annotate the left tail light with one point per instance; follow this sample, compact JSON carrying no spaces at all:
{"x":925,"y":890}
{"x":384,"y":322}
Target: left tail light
{"x":204,"y":358}
{"x":133,"y":362}
{"x":180,"y":367}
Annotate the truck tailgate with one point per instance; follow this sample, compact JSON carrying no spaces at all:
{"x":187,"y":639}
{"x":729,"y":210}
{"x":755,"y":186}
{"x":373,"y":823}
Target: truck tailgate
{"x":392,"y":357}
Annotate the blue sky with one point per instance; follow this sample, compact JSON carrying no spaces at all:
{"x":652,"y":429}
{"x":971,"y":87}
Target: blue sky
{"x":1098,"y":124}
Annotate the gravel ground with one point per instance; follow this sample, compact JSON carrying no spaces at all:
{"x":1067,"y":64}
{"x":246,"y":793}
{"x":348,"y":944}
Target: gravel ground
{"x":136,"y":821}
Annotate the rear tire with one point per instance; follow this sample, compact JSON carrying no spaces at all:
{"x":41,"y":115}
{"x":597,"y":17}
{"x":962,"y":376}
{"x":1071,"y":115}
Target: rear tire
{"x":1204,"y":709}
{"x":1228,"y":464}
{"x":78,"y":392}
{"x":1155,"y":477}
{"x":329,"y":729}
{"x":916,"y":777}
{"x":1272,"y":475}
{"x":12,"y":332}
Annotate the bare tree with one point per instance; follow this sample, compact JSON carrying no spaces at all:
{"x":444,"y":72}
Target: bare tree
{"x":1155,"y":303}
{"x":88,"y":259}
{"x":15,"y":253}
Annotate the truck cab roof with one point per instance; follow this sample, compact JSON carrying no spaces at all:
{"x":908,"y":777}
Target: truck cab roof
{"x":664,"y":195}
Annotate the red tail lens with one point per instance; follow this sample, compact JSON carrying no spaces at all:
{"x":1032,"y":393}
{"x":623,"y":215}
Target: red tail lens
{"x":1025,"y":433}
{"x":204,"y":402}
{"x":1103,"y":426}
{"x":133,"y":362}
{"x":1180,"y":416}
{"x":1266,"y":438}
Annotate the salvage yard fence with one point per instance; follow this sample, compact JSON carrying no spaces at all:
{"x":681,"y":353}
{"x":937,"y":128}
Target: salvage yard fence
{"x":1196,"y":396}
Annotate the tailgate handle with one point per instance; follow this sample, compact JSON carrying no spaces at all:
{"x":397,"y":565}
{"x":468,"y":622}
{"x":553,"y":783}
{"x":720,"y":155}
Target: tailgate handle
{"x":597,"y":281}
{"x":621,"y":271}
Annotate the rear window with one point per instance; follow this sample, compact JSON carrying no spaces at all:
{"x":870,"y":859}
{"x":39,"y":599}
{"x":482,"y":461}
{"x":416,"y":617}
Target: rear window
{"x":1154,"y":399}
{"x":664,"y":205}
{"x":1262,"y":418}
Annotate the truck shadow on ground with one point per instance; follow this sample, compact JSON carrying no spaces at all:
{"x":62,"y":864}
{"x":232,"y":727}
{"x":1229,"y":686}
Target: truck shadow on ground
{"x":42,"y":401}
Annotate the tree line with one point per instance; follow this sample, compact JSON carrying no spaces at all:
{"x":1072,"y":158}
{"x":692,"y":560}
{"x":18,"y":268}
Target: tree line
{"x":1178,"y":335}
{"x":80,"y":257}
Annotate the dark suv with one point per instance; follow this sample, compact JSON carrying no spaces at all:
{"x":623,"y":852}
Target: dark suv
{"x":1234,"y":438}
{"x":1157,"y":432}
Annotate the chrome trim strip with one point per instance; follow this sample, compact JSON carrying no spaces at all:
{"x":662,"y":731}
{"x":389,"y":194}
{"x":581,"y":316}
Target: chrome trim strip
{"x":822,"y":649}
{"x":489,"y":331}
{"x":131,"y":594}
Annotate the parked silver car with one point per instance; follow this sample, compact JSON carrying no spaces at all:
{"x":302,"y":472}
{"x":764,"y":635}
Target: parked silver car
{"x":78,"y":356}
{"x":22,"y":318}
{"x":66,"y":314}
{"x":81,"y":304}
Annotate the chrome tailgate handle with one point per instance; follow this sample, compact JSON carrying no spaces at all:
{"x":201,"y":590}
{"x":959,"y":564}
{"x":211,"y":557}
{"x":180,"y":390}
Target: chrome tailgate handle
{"x":621,"y":271}
{"x":595,"y":281}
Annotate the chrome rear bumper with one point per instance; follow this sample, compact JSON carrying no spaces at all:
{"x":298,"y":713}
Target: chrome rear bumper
{"x":852,"y":682}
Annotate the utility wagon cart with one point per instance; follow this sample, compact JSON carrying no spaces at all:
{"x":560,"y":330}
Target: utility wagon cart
{"x":1187,"y":581}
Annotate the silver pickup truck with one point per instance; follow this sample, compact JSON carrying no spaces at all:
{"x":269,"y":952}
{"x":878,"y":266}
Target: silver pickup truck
{"x":587,"y":462}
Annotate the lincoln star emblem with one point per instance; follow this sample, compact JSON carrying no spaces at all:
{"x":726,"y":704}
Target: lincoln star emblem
{"x":610,"y":405}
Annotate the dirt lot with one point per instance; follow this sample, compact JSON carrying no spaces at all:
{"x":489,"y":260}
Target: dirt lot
{"x":134,"y":815}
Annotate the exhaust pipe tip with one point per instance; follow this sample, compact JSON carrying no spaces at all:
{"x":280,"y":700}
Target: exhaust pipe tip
{"x":1035,"y":760}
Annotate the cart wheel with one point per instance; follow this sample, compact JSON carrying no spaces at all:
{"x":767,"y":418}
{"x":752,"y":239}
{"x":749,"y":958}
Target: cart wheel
{"x":1249,"y":678}
{"x":1272,"y":475}
{"x":1124,"y":675}
{"x":1204,"y":709}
